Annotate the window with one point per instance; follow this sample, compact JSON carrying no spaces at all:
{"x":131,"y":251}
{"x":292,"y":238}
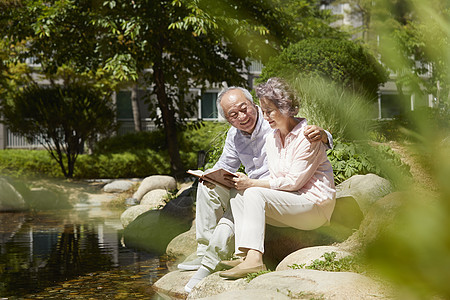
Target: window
{"x":209,"y":109}
{"x":393,"y":105}
{"x":124,"y":110}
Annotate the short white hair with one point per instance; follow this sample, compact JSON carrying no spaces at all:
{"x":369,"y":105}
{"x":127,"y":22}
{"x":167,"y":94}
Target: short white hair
{"x":246,"y":93}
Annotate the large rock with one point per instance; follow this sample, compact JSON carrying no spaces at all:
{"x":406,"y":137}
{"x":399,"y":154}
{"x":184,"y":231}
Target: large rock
{"x":118,"y":186}
{"x":131,"y":213}
{"x":153,"y":230}
{"x":153,"y":182}
{"x":282,"y":241}
{"x":10,"y":223}
{"x":47,"y":199}
{"x":354,"y":198}
{"x":183,"y":245}
{"x":307,"y":256}
{"x":10,"y":199}
{"x":315,"y":284}
{"x":380,"y":218}
{"x":214,"y":285}
{"x":155,"y":198}
{"x":365,"y":189}
{"x":172,"y":284}
{"x":248,"y":294}
{"x":296,"y":284}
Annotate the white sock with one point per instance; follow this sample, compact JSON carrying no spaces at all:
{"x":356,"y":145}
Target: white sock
{"x":201,"y":273}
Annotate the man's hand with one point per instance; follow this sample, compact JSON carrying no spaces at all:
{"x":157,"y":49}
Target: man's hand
{"x":315,"y":133}
{"x":208,"y":184}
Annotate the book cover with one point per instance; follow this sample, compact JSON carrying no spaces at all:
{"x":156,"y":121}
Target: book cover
{"x":215,"y":176}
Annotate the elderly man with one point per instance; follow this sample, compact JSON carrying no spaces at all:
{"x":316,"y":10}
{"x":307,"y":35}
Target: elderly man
{"x":244,"y":145}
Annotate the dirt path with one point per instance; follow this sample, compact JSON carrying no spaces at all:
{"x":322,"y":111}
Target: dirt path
{"x":421,"y":175}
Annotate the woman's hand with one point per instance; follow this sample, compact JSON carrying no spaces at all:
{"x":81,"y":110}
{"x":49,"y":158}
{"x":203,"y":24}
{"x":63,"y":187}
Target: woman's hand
{"x":242,"y":182}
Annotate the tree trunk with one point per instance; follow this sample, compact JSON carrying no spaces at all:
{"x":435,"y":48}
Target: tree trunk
{"x":135,"y":108}
{"x":168,"y":116}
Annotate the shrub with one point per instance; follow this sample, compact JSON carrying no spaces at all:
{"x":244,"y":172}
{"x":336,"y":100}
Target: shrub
{"x":28,"y":163}
{"x":342,"y":61}
{"x":331,"y":264}
{"x":350,"y":158}
{"x":139,"y":163}
{"x":63,"y":116}
{"x":346,"y":114}
{"x":134,"y":155}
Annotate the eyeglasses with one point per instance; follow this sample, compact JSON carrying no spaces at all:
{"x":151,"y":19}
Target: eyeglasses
{"x":233,"y":115}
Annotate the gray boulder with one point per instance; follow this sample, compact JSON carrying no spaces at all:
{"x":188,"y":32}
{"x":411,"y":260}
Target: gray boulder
{"x":46,"y":198}
{"x":153,"y":230}
{"x":305,"y":283}
{"x":153,"y":182}
{"x":172,"y":284}
{"x":354,"y":198}
{"x":379,"y":219}
{"x":131,"y":213}
{"x":118,"y":186}
{"x":248,"y":294}
{"x":215,"y":285}
{"x":10,"y":199}
{"x":154,"y":198}
{"x":365,"y":189}
{"x":308,"y":255}
{"x":183,"y":245}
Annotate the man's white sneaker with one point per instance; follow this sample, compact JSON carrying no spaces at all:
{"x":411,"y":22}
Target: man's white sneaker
{"x":191,"y":265}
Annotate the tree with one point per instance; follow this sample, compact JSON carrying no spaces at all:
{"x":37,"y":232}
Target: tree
{"x":411,"y":38}
{"x":171,"y":45}
{"x":62,"y":118}
{"x":342,"y":61}
{"x":190,"y":43}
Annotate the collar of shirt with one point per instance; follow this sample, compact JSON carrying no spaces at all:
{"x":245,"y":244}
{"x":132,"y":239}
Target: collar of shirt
{"x":295,"y":132}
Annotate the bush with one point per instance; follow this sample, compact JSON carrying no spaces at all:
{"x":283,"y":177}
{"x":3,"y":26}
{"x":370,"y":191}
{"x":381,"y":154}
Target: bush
{"x":139,"y":163}
{"x":28,"y":163}
{"x":350,"y":159}
{"x":408,"y":126}
{"x":63,"y":116}
{"x":134,"y":155}
{"x":342,"y":61}
{"x":154,"y":140}
{"x":346,"y":114}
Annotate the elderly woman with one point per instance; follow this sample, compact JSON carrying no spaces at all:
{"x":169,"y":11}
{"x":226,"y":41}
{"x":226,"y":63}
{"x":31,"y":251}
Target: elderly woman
{"x":300,"y":191}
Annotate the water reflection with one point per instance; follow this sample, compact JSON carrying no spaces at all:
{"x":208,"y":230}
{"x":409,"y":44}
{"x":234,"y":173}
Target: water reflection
{"x":38,"y":250}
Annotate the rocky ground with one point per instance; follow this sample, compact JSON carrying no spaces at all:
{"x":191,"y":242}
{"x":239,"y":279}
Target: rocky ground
{"x":129,"y":284}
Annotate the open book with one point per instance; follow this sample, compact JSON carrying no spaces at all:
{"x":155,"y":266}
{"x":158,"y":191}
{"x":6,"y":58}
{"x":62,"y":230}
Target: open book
{"x":216,"y":176}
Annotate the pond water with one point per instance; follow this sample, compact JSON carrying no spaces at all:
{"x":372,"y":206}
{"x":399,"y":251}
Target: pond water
{"x":72,"y":253}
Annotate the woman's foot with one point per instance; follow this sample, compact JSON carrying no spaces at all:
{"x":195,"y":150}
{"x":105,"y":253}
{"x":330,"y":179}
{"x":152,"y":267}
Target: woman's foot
{"x":228,"y":264}
{"x":242,"y":270}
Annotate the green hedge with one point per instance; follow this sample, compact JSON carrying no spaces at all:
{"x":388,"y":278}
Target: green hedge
{"x":133,"y":155}
{"x":19,"y":163}
{"x":33,"y":163}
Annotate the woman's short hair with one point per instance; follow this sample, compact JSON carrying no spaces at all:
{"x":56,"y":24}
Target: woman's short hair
{"x":246,"y":93}
{"x":278,"y":92}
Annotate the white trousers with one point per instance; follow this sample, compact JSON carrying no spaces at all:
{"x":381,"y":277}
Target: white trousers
{"x":214,"y":224}
{"x":258,"y":206}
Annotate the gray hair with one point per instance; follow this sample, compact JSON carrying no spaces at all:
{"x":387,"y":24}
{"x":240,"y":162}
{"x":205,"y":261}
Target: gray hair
{"x":278,"y":92}
{"x":246,"y":93}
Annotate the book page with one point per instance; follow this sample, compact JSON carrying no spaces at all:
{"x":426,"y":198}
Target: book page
{"x":197,"y":173}
{"x":218,"y":177}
